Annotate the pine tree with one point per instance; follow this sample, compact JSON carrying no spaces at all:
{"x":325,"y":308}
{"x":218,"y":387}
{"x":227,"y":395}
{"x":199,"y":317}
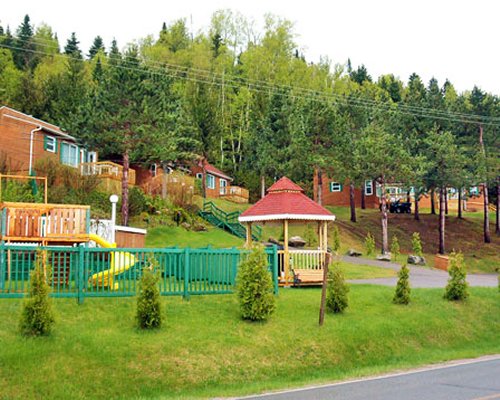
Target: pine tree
{"x":23,"y":55}
{"x":148,"y":314}
{"x":336,"y":240}
{"x":395,"y":249}
{"x":402,"y":295}
{"x":369,"y":244}
{"x":37,"y":317}
{"x":97,"y":45}
{"x":416,"y":244}
{"x":255,"y":287}
{"x":114,"y":53}
{"x":336,"y":298}
{"x":457,"y":287}
{"x":71,"y":49}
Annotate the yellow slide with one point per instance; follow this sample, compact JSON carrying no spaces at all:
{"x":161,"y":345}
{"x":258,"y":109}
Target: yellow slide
{"x":120,"y":262}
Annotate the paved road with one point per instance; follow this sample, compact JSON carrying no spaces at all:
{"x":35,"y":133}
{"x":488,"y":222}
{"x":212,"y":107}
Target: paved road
{"x":475,"y":380}
{"x":420,"y":277}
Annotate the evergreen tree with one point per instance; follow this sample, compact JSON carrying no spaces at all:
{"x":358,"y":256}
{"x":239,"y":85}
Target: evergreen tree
{"x":416,"y":244}
{"x":37,"y":317}
{"x":337,"y":290}
{"x":395,"y":249}
{"x":97,"y":45}
{"x":369,"y":244}
{"x":402,"y":294}
{"x":148,"y":312}
{"x":71,"y":49}
{"x":114,"y":53}
{"x":24,"y":55}
{"x":457,"y":287}
{"x":255,"y":287}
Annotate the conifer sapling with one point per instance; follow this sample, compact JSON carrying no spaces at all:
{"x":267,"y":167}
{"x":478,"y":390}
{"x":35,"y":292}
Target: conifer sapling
{"x":148,"y":315}
{"x":402,"y":294}
{"x":336,"y":297}
{"x":457,"y":287}
{"x":369,"y":244}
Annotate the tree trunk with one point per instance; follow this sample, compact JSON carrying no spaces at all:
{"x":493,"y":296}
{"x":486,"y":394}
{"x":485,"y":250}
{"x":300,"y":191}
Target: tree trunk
{"x":320,"y":187}
{"x":262,"y":186}
{"x":487,"y":235}
{"x":408,"y":197}
{"x":363,"y":202}
{"x":125,"y":172}
{"x":433,"y":202}
{"x":497,"y":221}
{"x":164,"y":182}
{"x":460,"y":203}
{"x":446,"y":201}
{"x":383,"y":211}
{"x":352,"y":202}
{"x":417,"y":210}
{"x":442,"y":221}
{"x":203,"y":179}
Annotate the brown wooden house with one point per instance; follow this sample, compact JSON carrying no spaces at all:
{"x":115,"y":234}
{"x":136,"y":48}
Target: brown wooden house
{"x":25,"y":140}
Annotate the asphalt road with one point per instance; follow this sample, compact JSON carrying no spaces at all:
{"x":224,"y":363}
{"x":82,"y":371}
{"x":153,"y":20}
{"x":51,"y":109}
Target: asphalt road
{"x":420,"y":277}
{"x":473,"y":380}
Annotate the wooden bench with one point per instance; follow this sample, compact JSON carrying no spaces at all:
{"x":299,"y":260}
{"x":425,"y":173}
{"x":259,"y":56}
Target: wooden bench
{"x":311,"y":277}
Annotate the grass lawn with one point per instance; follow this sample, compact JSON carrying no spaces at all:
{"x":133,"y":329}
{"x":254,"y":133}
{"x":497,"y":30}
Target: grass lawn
{"x":205,"y":350}
{"x":167,"y":236}
{"x":354,"y":271}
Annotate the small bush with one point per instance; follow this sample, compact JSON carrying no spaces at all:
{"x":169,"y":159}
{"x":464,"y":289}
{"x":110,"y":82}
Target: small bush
{"x":336,"y":240}
{"x":37,"y":317}
{"x":337,"y":289}
{"x":369,"y":244}
{"x":402,"y":295}
{"x":310,"y":236}
{"x":457,"y":288}
{"x":416,"y":244}
{"x":395,"y":249}
{"x":137,"y":201}
{"x":148,"y":314}
{"x":255,"y":287}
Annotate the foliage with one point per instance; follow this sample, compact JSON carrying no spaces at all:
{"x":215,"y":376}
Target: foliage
{"x":255,"y":287}
{"x":336,"y":240}
{"x":148,"y":311}
{"x":369,"y":244}
{"x":457,"y":287}
{"x":138,"y":201}
{"x":395,"y":249}
{"x":37,"y":317}
{"x":310,"y":236}
{"x":416,"y":244}
{"x":337,"y":290}
{"x":402,"y":294}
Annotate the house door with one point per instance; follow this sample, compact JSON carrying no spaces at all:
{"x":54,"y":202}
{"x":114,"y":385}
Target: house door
{"x":223,"y":187}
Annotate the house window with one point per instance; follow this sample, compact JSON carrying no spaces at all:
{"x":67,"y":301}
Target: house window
{"x":223,"y":186}
{"x":199,"y":175}
{"x":153,"y":169}
{"x":335,"y":187}
{"x":210,"y":181}
{"x":50,"y":144}
{"x":92,"y":156}
{"x":368,"y":188}
{"x":69,"y":154}
{"x":474,"y":191}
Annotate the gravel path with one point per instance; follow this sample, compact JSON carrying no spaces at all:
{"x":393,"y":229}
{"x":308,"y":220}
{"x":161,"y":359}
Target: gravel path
{"x":420,"y":277}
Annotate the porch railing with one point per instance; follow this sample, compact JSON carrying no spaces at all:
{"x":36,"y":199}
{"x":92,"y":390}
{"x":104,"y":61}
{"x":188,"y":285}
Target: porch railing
{"x":235,"y":193}
{"x":107,"y":169}
{"x":299,"y":259}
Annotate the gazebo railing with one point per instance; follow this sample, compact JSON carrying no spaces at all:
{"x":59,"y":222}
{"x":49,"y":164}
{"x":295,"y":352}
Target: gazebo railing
{"x":299,"y":259}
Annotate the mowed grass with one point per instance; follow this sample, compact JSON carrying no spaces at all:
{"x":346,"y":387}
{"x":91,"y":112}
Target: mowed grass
{"x":360,"y":271}
{"x":167,"y":236}
{"x":204,"y":349}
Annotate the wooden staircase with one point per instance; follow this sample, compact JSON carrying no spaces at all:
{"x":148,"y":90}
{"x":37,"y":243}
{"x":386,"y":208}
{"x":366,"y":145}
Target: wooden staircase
{"x":227,"y":221}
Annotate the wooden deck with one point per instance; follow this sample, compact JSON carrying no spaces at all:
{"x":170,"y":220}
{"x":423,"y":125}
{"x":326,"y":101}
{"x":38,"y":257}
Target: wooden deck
{"x":44,"y":223}
{"x":107,"y":170}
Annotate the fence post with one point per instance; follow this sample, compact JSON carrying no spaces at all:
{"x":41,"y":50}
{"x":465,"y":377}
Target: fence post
{"x":79,"y":273}
{"x":187,"y":260}
{"x":2,"y":265}
{"x":275,"y":268}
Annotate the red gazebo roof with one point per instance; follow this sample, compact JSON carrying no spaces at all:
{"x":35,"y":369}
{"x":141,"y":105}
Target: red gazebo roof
{"x":286,"y":200}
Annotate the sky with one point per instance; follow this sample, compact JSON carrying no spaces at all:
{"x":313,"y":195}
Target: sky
{"x":454,"y":40}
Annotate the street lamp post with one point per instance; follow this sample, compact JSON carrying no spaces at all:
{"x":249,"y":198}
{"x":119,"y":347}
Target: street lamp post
{"x":113,"y":199}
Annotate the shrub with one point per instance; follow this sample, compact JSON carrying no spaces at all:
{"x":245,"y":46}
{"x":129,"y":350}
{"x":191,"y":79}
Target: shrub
{"x":336,"y":240}
{"x":37,"y":317}
{"x":395,"y":249}
{"x":148,"y":314}
{"x":337,"y":290}
{"x":310,"y":236}
{"x":416,"y":244}
{"x":457,"y":288}
{"x":369,"y":244}
{"x":137,"y":201}
{"x":255,"y":287}
{"x":402,"y":295}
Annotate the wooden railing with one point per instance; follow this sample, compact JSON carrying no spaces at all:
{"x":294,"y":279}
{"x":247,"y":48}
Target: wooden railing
{"x":107,"y":169}
{"x":235,"y":194}
{"x":44,"y":222}
{"x":174,"y":181}
{"x":299,"y":259}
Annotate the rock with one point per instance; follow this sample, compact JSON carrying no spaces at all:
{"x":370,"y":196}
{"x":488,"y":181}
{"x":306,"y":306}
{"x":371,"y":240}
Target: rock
{"x":384,"y":257}
{"x":415,"y":260}
{"x":296,"y":241}
{"x":353,"y":253}
{"x":186,"y":226}
{"x":274,"y":241}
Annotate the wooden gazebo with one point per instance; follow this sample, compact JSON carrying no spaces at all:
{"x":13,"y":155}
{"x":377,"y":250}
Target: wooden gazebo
{"x":286,"y":203}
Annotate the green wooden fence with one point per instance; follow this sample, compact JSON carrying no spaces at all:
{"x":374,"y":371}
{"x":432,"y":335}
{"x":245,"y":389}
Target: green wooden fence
{"x":86,"y":272}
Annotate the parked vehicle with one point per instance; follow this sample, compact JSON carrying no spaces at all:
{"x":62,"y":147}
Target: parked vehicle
{"x":400,"y":207}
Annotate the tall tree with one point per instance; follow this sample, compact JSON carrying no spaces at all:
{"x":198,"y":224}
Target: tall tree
{"x":71,"y":49}
{"x":24,"y":55}
{"x":97,"y":46}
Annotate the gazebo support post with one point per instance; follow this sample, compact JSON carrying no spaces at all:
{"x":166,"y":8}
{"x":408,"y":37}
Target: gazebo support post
{"x":286,"y":254}
{"x":248,"y":243}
